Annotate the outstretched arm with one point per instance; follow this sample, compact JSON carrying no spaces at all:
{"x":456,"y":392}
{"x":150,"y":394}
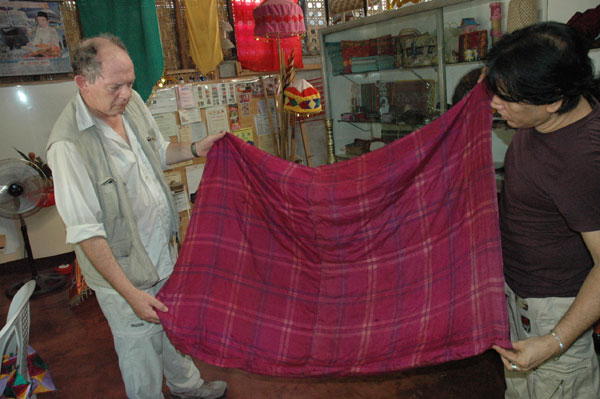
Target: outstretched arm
{"x":180,"y":152}
{"x":583,"y":313}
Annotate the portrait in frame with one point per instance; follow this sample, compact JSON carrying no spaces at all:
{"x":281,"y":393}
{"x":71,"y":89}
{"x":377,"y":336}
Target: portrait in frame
{"x":32,"y":39}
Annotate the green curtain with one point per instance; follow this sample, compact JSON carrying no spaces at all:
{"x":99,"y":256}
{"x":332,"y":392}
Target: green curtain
{"x":135,"y":22}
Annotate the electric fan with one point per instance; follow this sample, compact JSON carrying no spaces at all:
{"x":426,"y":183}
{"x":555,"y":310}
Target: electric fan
{"x":23,"y":191}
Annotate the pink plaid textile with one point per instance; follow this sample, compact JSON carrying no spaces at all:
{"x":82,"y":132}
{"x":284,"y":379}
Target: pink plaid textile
{"x":385,"y":262}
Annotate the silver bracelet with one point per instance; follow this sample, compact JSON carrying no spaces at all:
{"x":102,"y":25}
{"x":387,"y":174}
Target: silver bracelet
{"x":560,"y":343}
{"x":193,"y":149}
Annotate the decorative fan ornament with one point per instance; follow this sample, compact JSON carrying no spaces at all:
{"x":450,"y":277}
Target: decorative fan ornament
{"x":23,"y":188}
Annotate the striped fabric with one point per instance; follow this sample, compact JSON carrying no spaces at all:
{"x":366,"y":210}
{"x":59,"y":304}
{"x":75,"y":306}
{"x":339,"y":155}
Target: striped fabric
{"x":385,"y":262}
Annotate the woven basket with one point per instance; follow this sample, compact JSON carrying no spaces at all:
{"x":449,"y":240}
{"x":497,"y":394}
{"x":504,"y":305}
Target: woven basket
{"x":521,"y":13}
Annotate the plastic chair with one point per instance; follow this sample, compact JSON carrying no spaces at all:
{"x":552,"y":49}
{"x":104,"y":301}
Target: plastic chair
{"x":14,"y":336}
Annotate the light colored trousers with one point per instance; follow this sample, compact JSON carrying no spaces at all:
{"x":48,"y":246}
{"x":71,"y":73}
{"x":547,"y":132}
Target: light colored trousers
{"x":145,"y":353}
{"x":574,"y":375}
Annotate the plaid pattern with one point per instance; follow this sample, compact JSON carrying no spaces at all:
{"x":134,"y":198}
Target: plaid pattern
{"x":385,"y":262}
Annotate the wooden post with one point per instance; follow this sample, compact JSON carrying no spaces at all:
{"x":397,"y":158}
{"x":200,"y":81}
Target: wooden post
{"x":283,"y":132}
{"x":293,"y":137}
{"x":273,"y":132}
{"x":306,"y":144}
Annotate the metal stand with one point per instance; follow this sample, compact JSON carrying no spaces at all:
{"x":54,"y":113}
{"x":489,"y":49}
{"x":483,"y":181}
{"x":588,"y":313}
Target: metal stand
{"x":44,"y":283}
{"x":330,"y":147}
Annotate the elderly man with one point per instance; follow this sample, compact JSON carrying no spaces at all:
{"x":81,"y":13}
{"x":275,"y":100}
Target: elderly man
{"x":107,"y":157}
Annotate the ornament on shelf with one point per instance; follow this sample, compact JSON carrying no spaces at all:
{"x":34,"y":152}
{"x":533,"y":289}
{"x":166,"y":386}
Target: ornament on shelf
{"x":302,"y":97}
{"x":496,"y":19}
{"x":468,"y":25}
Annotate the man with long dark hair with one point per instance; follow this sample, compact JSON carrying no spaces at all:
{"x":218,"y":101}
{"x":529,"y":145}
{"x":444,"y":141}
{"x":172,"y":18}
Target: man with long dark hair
{"x":543,"y":84}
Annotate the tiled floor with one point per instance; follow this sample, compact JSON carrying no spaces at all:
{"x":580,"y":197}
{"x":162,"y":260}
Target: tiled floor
{"x":77,"y":346}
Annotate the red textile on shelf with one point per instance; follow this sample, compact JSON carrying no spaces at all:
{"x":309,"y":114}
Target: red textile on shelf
{"x":388,"y":261}
{"x":257,"y":53}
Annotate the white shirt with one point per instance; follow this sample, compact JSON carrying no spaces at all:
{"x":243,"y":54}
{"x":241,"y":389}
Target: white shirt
{"x":78,"y":204}
{"x":46,"y":35}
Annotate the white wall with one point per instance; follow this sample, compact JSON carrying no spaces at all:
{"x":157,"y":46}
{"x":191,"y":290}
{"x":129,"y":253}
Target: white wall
{"x":562,"y":11}
{"x":27,"y":115}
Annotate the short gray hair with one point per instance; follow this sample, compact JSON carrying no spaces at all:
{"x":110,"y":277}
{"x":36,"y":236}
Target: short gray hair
{"x":84,"y":55}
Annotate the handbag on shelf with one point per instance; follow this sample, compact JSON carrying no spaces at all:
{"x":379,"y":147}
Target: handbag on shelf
{"x":417,"y":49}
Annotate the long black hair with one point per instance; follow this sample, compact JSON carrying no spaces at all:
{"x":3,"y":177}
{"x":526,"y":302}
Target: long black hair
{"x":541,"y":64}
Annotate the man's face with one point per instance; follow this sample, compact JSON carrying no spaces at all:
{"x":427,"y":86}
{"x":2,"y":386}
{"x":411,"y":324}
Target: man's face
{"x":521,"y":115}
{"x":109,"y":94}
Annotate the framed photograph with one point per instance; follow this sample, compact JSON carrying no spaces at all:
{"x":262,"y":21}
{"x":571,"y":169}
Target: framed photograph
{"x":32,"y":39}
{"x":227,"y":69}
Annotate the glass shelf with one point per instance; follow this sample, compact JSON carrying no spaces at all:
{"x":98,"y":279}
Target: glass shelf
{"x":399,"y":91}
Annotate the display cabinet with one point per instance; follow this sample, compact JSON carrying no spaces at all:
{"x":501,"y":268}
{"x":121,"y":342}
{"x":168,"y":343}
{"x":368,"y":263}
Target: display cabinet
{"x":385,"y":75}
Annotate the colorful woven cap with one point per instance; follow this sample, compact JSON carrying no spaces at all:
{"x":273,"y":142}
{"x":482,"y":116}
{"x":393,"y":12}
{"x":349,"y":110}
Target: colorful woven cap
{"x":302,"y":97}
{"x":282,"y":18}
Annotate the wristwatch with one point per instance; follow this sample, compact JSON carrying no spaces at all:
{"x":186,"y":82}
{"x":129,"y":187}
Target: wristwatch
{"x":193,"y":149}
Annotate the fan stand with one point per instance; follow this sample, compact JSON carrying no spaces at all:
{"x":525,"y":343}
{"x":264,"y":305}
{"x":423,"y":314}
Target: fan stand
{"x":44,"y":283}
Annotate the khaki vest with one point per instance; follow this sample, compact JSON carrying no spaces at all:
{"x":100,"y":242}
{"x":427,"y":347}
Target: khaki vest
{"x":119,"y":223}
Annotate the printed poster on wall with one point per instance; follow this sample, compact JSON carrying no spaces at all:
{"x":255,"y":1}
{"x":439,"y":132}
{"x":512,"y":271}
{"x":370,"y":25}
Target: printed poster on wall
{"x":162,"y":101}
{"x":32,"y":39}
{"x":186,"y":97}
{"x":167,"y":124}
{"x":216,"y":119}
{"x":244,"y":134}
{"x":204,"y":98}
